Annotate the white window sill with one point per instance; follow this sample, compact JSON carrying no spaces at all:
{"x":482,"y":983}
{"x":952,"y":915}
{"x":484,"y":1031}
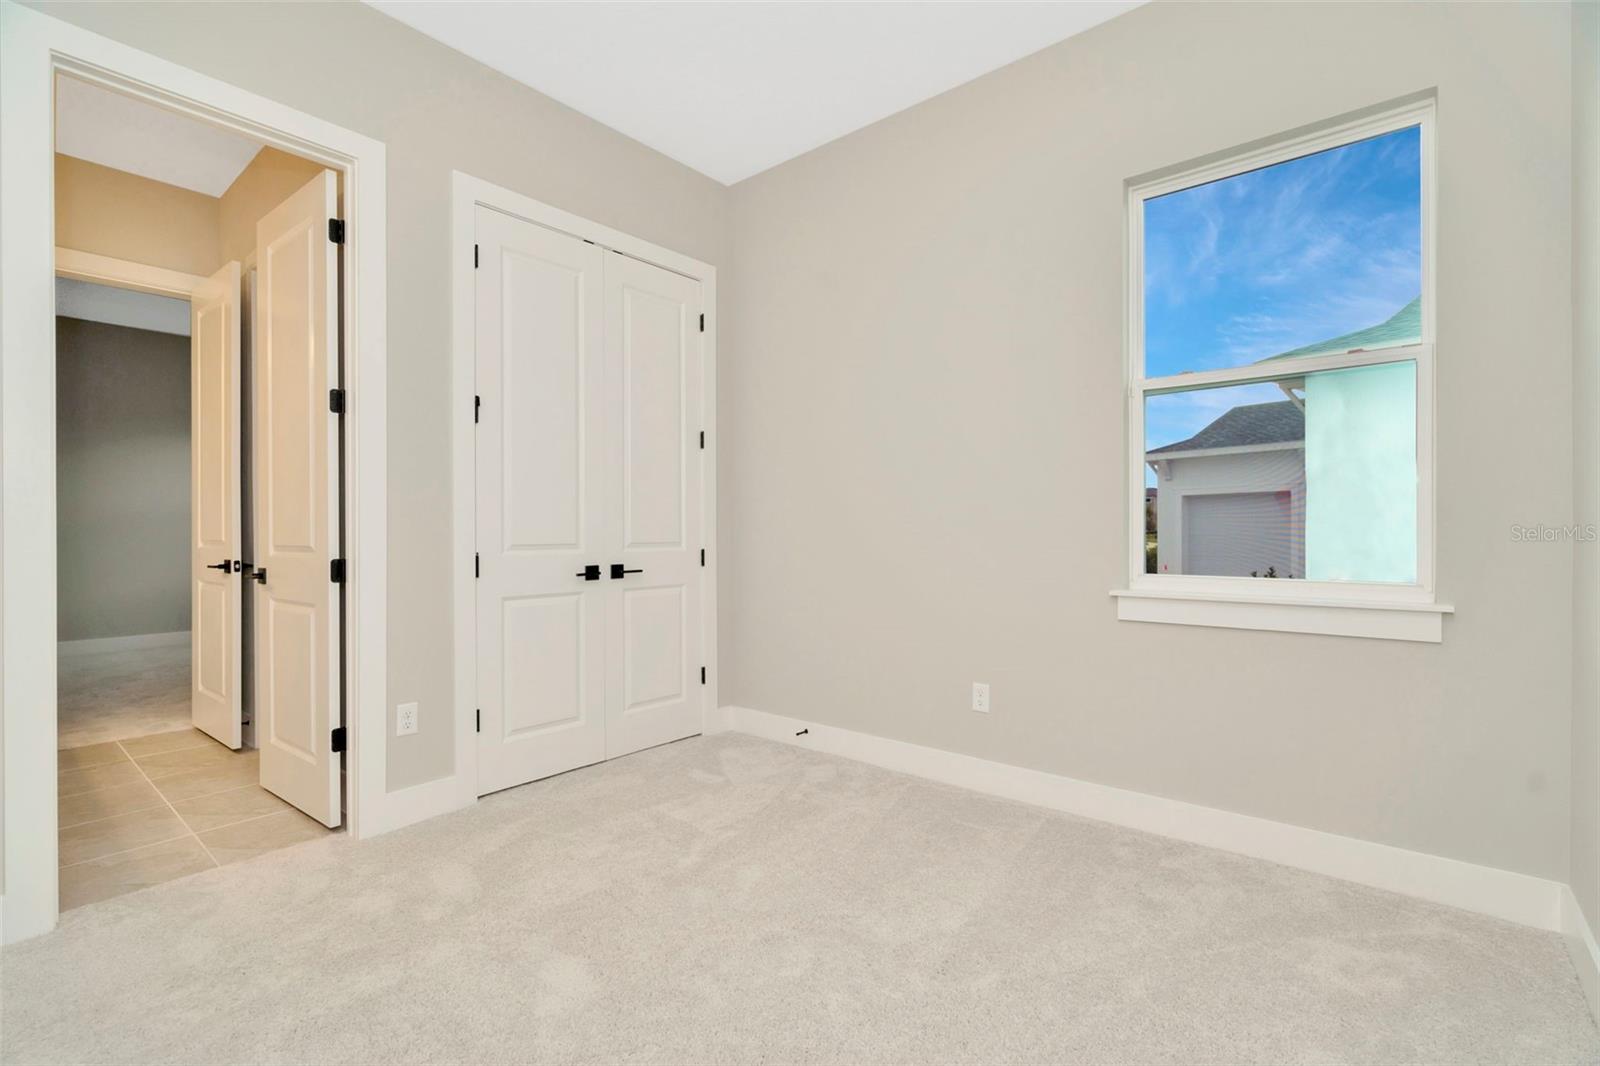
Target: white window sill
{"x":1379,"y":620}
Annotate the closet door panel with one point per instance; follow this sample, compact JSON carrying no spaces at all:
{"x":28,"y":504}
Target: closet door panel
{"x":653,"y":631}
{"x":540,"y":455}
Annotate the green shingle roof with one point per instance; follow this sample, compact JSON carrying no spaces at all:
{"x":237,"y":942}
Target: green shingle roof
{"x":1403,"y":327}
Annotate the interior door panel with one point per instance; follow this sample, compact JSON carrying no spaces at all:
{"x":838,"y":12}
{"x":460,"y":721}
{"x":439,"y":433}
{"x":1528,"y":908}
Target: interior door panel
{"x":216,"y":698}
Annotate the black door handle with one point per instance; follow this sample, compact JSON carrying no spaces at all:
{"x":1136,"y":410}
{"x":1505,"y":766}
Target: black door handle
{"x":225,"y":566}
{"x":590,"y":572}
{"x":618,"y":571}
{"x":260,"y":575}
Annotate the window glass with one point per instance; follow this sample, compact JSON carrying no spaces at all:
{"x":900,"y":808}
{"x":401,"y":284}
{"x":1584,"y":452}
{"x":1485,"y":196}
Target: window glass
{"x":1307,"y":476}
{"x":1317,"y":254}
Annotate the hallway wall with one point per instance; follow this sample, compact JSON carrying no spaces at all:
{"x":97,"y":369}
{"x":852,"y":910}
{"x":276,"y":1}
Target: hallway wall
{"x":111,"y":212}
{"x":122,"y":491}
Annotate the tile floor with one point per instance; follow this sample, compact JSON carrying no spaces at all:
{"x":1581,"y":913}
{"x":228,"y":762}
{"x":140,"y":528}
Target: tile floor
{"x":137,"y":812}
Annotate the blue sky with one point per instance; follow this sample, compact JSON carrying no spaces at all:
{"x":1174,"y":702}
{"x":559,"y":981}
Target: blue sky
{"x":1257,"y":264}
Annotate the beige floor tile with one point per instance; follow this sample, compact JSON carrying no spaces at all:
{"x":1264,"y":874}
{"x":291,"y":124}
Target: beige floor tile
{"x":226,"y":808}
{"x":120,"y":832}
{"x":90,"y":755}
{"x":244,"y":768}
{"x":258,"y":836}
{"x":130,"y":871}
{"x":72,"y":782}
{"x":176,"y":740}
{"x":166,"y":763}
{"x":105,"y":802}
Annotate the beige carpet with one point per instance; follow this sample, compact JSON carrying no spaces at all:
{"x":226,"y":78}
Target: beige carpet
{"x":729,"y":899}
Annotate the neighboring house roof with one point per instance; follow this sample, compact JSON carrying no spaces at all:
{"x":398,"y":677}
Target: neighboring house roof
{"x":1252,"y":423}
{"x":1403,"y":327}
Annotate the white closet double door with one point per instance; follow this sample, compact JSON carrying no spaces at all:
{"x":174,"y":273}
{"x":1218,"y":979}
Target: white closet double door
{"x":588,"y":503}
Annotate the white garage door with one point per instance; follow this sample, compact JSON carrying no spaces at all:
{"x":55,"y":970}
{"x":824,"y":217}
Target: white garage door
{"x":1232,"y":534}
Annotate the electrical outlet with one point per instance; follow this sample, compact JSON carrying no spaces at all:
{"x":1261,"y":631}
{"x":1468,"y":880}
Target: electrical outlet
{"x":980,"y":697}
{"x":405,"y":719}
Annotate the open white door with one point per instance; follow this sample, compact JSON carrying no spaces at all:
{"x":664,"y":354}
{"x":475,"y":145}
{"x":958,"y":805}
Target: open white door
{"x":294,"y":493}
{"x":214,"y":597}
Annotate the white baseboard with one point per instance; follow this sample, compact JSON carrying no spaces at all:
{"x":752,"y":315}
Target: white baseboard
{"x":1581,"y":946}
{"x":1514,"y":897}
{"x":129,"y":643}
{"x":416,"y":803}
{"x":720,"y":719}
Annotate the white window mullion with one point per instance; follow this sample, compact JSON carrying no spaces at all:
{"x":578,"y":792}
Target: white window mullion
{"x":1298,"y":366}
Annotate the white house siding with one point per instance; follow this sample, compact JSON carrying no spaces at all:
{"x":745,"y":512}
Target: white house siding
{"x":1242,"y":517}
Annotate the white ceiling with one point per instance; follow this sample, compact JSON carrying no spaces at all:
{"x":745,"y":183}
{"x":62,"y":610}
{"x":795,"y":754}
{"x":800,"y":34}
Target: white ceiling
{"x":732,"y":89}
{"x":126,"y":134}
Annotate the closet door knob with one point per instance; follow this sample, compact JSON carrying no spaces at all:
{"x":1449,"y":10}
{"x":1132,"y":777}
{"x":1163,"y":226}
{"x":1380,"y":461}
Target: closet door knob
{"x":590,"y":572}
{"x":617,"y":570}
{"x":225,"y":566}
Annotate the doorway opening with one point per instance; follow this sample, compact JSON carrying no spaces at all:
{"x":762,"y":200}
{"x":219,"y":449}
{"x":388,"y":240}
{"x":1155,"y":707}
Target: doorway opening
{"x":200,"y":498}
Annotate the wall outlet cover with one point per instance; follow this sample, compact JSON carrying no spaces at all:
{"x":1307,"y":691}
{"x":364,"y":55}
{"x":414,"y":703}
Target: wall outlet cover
{"x":980,"y":697}
{"x":405,"y":719}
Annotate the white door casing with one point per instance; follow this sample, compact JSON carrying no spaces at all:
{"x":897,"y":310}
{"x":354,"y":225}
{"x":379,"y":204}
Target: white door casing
{"x":540,"y":502}
{"x":295,"y":501}
{"x":216,"y":698}
{"x":653,"y":484}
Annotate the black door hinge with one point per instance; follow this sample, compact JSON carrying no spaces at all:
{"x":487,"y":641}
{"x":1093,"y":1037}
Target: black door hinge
{"x":702,"y":675}
{"x":702,"y":557}
{"x":336,"y":571}
{"x":338,"y":740}
{"x":336,"y":230}
{"x":336,"y":401}
{"x":477,"y":568}
{"x":477,"y":408}
{"x":702,"y":323}
{"x":702,"y":440}
{"x":474,"y":257}
{"x":478,"y":727}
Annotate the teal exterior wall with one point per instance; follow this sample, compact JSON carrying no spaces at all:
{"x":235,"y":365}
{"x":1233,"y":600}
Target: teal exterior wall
{"x":1361,"y":474}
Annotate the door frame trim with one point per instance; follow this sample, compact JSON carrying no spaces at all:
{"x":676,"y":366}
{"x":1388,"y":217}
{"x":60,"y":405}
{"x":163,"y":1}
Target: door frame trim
{"x":124,"y":274}
{"x":467,"y":193}
{"x":34,"y":47}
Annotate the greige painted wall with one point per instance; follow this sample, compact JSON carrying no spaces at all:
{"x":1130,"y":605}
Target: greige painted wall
{"x":111,"y":212}
{"x":923,"y":433}
{"x":436,"y":111}
{"x":122,"y":482}
{"x":920,"y":408}
{"x":1586,"y":467}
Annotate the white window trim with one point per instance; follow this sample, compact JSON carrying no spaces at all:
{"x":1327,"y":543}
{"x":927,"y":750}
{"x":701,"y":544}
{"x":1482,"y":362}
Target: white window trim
{"x":1384,"y":611}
